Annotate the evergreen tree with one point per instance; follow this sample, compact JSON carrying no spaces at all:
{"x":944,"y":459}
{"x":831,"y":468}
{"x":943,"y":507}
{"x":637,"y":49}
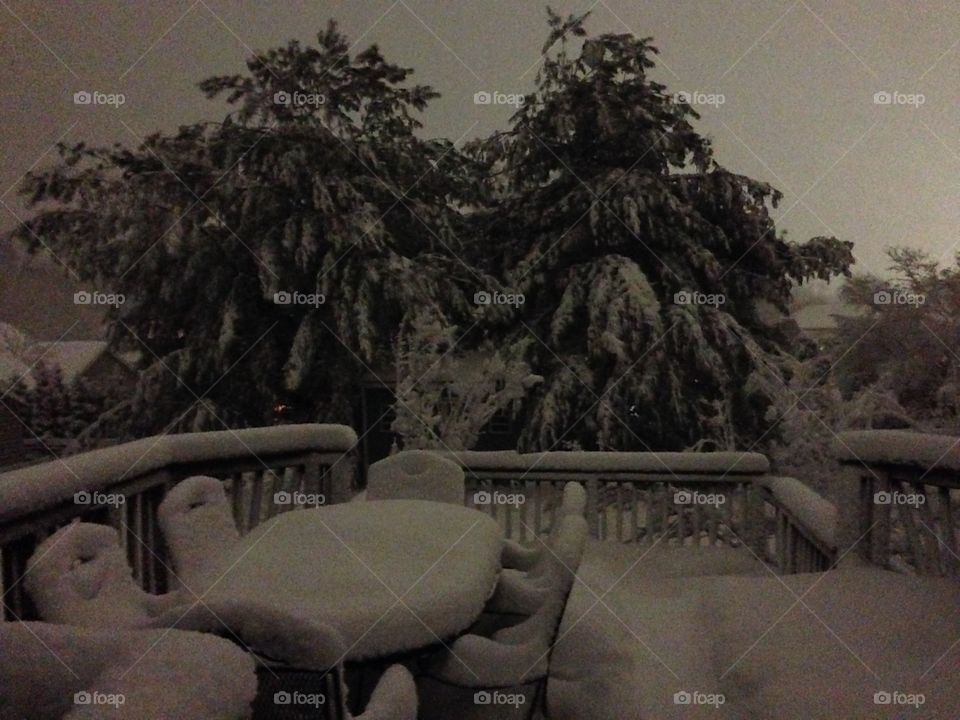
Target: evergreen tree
{"x":607,"y":210}
{"x":317,"y":184}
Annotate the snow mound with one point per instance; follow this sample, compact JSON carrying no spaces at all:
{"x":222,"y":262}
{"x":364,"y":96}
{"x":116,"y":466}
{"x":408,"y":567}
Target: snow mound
{"x":394,"y":698}
{"x":49,"y":671}
{"x":416,"y":475}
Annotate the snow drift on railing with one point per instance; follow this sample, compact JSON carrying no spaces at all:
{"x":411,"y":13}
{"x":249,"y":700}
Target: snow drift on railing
{"x":814,"y":511}
{"x":899,"y":447}
{"x":38,"y":486}
{"x":599,"y":461}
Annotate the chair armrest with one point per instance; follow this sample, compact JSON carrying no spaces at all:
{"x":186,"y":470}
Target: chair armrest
{"x":519,"y":557}
{"x":394,"y":698}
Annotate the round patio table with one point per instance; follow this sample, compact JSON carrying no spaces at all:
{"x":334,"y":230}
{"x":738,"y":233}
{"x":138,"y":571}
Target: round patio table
{"x":390,"y":575}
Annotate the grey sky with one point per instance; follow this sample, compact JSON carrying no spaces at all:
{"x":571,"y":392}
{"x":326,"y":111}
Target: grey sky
{"x":798,"y":78}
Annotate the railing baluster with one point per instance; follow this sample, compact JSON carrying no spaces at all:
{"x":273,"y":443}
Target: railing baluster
{"x":948,"y":531}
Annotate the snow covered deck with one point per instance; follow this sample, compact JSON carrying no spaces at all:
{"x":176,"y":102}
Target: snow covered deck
{"x":705,"y":579}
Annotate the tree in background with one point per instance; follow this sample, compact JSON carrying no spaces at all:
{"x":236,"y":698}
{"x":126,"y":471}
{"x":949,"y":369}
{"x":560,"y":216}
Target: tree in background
{"x":905,"y":342}
{"x":269,"y":257}
{"x":641,"y":259}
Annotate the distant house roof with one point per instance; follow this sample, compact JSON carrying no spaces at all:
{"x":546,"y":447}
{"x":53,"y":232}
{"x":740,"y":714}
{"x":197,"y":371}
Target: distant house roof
{"x":72,"y":356}
{"x":823,"y":316}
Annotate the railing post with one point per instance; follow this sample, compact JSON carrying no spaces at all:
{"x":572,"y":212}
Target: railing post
{"x":342,"y":474}
{"x":593,"y":506}
{"x":854,"y":502}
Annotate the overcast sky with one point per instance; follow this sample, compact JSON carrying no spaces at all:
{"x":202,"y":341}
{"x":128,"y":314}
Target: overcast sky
{"x":798,"y":80}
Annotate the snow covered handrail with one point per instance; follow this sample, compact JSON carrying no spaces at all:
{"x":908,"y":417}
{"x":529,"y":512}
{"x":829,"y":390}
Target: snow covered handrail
{"x":905,"y":487}
{"x":804,"y":538}
{"x":265,"y":470}
{"x":631,"y":496}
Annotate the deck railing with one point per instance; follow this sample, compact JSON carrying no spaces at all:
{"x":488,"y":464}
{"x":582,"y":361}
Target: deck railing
{"x":266,"y":471}
{"x":906,"y":489}
{"x":690,"y":499}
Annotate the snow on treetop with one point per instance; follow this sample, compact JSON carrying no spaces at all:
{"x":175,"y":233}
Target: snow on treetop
{"x":32,"y":488}
{"x":899,"y":447}
{"x":640,"y":462}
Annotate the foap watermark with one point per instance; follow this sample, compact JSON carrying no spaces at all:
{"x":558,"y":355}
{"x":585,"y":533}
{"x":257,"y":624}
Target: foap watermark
{"x":298,"y":498}
{"x":497,"y":497}
{"x":498,"y":697}
{"x":899,"y":498}
{"x":83,"y":297}
{"x":98,"y":498}
{"x":684,"y":697}
{"x":695,"y":297}
{"x":697,"y":97}
{"x":897,"y":697}
{"x":95,"y":97}
{"x":299,"y":698}
{"x":299,"y":298}
{"x":98,"y":698}
{"x":298,"y":99}
{"x":884,"y":97}
{"x":498,"y":298}
{"x":898,"y":297}
{"x":694,"y":497}
{"x":498,"y":98}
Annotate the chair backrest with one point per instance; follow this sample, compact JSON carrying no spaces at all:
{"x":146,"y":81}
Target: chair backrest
{"x":198,"y":527}
{"x":416,"y":475}
{"x":574,"y":499}
{"x":80,"y":576}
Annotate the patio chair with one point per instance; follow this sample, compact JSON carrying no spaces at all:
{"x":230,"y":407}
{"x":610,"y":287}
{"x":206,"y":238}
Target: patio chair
{"x":416,"y":475}
{"x":529,"y":558}
{"x":79,"y":576}
{"x":198,"y":526}
{"x":50,"y":671}
{"x":511,"y":658}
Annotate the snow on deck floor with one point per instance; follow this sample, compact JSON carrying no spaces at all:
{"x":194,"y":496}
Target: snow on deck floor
{"x":716,"y":621}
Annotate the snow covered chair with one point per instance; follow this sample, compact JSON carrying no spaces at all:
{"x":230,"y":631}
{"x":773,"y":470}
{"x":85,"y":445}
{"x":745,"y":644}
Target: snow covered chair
{"x":299,"y":658}
{"x":416,"y":475}
{"x":531,"y":558}
{"x":197,"y":524}
{"x":80,"y":576}
{"x":50,"y":671}
{"x":514,"y":658}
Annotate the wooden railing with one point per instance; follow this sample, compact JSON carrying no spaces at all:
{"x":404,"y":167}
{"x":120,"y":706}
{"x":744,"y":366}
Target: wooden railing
{"x":314,"y":462}
{"x":804,"y":527}
{"x":906,"y":488}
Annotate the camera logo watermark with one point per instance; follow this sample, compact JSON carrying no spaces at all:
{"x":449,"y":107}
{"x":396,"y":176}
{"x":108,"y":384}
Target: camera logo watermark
{"x":693,"y":497}
{"x":914,"y":100}
{"x":696,"y":97}
{"x":485,"y":497}
{"x":298,"y":99}
{"x":498,"y":697}
{"x":299,"y":698}
{"x":98,"y":698}
{"x":98,"y":498}
{"x":498,"y":298}
{"x":95,"y":97}
{"x":896,"y":697}
{"x":896,"y":297}
{"x":899,"y":498}
{"x":695,"y":297}
{"x":84,"y":297}
{"x":498,"y":98}
{"x":696,"y":697}
{"x":299,"y":298}
{"x":298,"y":498}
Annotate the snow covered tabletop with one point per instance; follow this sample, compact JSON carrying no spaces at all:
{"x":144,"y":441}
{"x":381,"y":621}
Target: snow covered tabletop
{"x":899,"y":447}
{"x":390,"y":575}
